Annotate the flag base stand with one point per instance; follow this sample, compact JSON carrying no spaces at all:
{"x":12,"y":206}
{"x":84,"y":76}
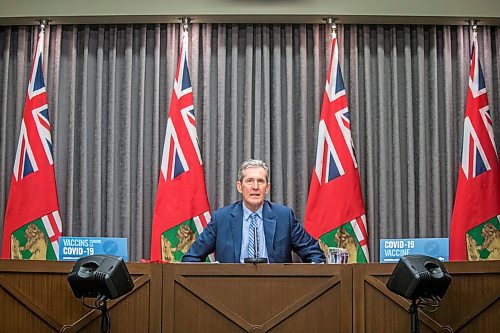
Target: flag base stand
{"x":255,"y":261}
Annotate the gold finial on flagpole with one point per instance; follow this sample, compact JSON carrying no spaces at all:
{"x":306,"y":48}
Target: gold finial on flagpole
{"x":331,"y":22}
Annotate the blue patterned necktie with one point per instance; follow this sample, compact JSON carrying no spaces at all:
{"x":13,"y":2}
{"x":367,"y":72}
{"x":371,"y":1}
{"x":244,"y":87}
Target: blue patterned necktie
{"x":253,"y":237}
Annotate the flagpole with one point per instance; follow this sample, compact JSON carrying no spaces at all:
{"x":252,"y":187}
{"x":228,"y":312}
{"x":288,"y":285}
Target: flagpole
{"x":473,"y":25}
{"x":43,"y":23}
{"x":186,"y":22}
{"x":333,"y":26}
{"x":331,"y":21}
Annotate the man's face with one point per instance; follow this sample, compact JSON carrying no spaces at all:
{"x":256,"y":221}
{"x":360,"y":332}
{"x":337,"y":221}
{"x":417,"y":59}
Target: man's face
{"x":253,"y":187}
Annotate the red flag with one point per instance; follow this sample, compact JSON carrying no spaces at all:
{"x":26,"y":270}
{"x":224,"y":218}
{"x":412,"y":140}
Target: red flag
{"x":335,"y":212}
{"x":181,"y":209}
{"x":32,"y":223}
{"x":475,"y":227}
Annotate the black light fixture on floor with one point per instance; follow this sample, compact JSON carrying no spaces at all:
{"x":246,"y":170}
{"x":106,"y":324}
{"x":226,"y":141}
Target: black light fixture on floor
{"x":102,"y":277}
{"x":422,"y":279}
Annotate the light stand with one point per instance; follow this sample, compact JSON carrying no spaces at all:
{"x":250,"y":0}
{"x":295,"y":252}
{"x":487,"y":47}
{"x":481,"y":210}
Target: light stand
{"x":414,"y":316}
{"x":105,"y":320}
{"x":101,"y":304}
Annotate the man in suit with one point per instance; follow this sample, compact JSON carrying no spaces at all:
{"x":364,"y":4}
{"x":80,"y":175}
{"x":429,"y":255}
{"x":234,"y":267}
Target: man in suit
{"x":254,"y":227}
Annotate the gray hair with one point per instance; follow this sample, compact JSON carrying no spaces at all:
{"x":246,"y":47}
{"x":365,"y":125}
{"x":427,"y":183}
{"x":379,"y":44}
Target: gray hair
{"x":253,"y":164}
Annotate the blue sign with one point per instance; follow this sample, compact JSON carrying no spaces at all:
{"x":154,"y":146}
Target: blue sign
{"x":393,"y":249}
{"x":73,"y":248}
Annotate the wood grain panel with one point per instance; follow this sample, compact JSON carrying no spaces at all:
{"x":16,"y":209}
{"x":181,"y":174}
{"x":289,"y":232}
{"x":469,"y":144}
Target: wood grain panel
{"x":257,"y":298}
{"x":36,"y":297}
{"x":471,"y":303}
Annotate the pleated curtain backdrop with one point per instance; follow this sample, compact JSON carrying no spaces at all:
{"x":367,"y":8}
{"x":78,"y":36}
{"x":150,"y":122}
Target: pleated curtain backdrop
{"x":258,"y":91}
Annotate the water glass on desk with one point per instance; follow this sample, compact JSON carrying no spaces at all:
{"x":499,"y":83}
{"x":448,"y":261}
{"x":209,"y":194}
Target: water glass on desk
{"x":337,"y":255}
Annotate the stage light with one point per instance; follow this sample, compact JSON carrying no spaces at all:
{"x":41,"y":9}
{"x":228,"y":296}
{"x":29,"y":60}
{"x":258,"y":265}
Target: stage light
{"x":418,"y":276}
{"x":422,"y":279}
{"x":102,"y":277}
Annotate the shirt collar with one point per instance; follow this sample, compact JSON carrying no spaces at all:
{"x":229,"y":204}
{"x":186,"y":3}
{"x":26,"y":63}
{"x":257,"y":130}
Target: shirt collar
{"x":247,"y":212}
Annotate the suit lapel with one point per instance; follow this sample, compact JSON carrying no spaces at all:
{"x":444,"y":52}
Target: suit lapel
{"x":237,"y":229}
{"x":269,"y":226}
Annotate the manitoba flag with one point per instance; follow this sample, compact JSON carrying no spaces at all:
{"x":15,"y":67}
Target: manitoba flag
{"x":475,"y":226}
{"x":32,"y":223}
{"x":181,"y":209}
{"x":335,"y":212}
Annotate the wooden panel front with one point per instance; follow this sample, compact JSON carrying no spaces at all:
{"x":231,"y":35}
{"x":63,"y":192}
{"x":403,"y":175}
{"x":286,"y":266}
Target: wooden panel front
{"x":35,"y":297}
{"x":257,"y":298}
{"x":471,"y":303}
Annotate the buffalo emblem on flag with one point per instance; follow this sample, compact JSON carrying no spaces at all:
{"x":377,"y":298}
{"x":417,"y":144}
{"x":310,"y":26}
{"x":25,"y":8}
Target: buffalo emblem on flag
{"x":483,"y":241}
{"x":176,"y":241}
{"x":31,"y":242}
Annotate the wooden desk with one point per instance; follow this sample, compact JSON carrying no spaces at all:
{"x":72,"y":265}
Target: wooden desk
{"x":36,"y":297}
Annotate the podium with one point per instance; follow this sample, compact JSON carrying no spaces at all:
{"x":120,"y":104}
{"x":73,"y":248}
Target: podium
{"x":257,"y":298}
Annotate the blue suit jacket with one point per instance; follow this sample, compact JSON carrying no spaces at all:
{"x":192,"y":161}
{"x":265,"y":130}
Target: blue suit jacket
{"x":282,"y":230}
